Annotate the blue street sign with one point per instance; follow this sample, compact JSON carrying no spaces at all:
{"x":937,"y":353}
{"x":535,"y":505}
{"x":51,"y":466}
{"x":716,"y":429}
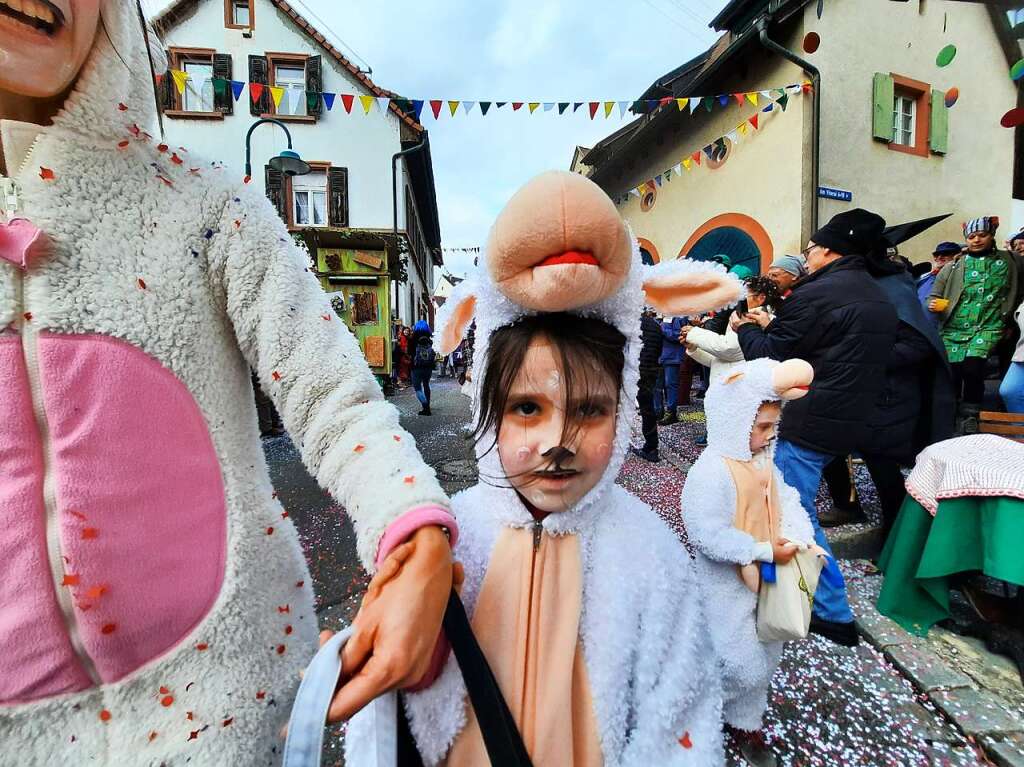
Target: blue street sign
{"x":835,"y":194}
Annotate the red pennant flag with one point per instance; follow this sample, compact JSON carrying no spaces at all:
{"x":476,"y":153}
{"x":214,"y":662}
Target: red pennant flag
{"x":435,"y":107}
{"x":806,"y":88}
{"x":255,"y":91}
{"x":593,"y":108}
{"x":346,"y":101}
{"x":159,"y":80}
{"x":739,"y":98}
{"x":696,"y":157}
{"x":753,"y":121}
{"x":666,"y":100}
{"x":516,"y":105}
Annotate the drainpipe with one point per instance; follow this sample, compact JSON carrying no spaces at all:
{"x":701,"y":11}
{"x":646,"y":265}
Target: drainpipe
{"x":809,"y":68}
{"x":394,"y":200}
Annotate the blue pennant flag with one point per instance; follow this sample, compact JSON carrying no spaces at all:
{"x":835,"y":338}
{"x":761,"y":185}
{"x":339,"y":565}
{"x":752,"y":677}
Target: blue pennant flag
{"x":236,"y":88}
{"x":652,"y":104}
{"x":723,"y":100}
{"x":417,"y":107}
{"x":328,"y":100}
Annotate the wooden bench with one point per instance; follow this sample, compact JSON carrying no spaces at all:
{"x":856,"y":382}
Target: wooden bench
{"x":1009,"y":425}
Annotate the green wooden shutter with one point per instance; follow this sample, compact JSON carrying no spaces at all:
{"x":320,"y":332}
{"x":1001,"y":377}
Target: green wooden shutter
{"x":223,"y":100}
{"x":882,"y":115}
{"x":938,"y":136}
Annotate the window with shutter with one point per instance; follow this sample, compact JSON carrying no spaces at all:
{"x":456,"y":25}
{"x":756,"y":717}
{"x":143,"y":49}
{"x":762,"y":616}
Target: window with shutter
{"x":274,"y":185}
{"x":314,"y":86}
{"x":222,"y":98}
{"x":903,"y":114}
{"x":881,"y":116}
{"x":938,"y":139}
{"x":258,"y":74}
{"x":337,"y":196}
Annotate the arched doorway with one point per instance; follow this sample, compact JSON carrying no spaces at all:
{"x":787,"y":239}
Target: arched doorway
{"x":739,"y":237}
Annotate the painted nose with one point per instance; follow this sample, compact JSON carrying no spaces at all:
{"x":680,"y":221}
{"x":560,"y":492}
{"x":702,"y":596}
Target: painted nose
{"x":558,"y":455}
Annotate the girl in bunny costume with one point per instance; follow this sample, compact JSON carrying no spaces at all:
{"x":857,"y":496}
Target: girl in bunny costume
{"x":155,"y":604}
{"x":602,"y":661}
{"x":738,"y":513}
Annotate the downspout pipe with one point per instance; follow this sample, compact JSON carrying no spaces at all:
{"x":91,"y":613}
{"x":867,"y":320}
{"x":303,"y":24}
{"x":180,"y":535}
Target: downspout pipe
{"x":394,"y":199}
{"x":810,"y":69}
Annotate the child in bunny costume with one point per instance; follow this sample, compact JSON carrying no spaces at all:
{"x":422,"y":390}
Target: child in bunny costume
{"x":583,"y":601}
{"x":739,"y":513}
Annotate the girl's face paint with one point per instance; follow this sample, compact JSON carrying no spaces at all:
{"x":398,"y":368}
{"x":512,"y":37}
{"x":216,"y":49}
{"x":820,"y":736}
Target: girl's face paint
{"x":533,"y":425}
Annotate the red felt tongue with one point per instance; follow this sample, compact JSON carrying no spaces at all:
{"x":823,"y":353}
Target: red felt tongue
{"x":570,"y":257}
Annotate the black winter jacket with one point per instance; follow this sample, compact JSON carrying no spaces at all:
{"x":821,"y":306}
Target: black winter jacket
{"x":650,"y":333}
{"x":840,"y":321}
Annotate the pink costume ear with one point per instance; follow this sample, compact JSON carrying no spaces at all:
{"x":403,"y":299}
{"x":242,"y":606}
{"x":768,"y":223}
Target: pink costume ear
{"x":684,"y":293}
{"x":454,"y":330}
{"x":791,"y":378}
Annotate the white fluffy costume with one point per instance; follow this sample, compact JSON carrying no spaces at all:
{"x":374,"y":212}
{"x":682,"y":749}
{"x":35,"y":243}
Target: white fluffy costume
{"x":155,"y":605}
{"x":726,"y":483}
{"x":639,"y":627}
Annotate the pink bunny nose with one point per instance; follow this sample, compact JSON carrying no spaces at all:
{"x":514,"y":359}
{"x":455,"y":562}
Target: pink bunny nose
{"x":20,"y":242}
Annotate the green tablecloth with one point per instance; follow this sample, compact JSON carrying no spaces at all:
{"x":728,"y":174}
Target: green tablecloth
{"x":966,"y":534}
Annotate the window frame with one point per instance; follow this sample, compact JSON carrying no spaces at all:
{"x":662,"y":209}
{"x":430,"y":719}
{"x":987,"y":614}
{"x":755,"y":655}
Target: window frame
{"x":920,"y":93}
{"x":229,"y":15}
{"x":179,"y":57}
{"x":294,"y":59}
{"x":315,"y":166}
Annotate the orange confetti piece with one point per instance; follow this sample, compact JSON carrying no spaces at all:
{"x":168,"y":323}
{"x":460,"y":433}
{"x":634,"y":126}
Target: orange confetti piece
{"x":409,"y":480}
{"x":95,"y":593}
{"x":276,"y":376}
{"x":175,"y":159}
{"x":167,"y":700}
{"x":161,"y":147}
{"x":194,"y":171}
{"x":134,"y":130}
{"x":69,"y":580}
{"x":260,"y":695}
{"x":188,"y":715}
{"x":104,"y":716}
{"x":78,"y":514}
{"x":165,"y":180}
{"x":227,"y":722}
{"x":152,"y":736}
{"x":299,"y":584}
{"x":122,"y":144}
{"x":280,"y":649}
{"x":108,"y":628}
{"x":270,"y":530}
{"x":141,"y":283}
{"x":326,"y":317}
{"x":202,"y":646}
{"x":685,"y":741}
{"x":194,"y":735}
{"x":90,"y":533}
{"x":46,"y":174}
{"x":247,"y":179}
{"x":27,"y":316}
{"x":164,"y":691}
{"x":397,"y":438}
{"x":284,"y":515}
{"x":238,"y":223}
{"x":287,"y":630}
{"x":285,"y":609}
{"x":359,"y":448}
{"x":122,"y":106}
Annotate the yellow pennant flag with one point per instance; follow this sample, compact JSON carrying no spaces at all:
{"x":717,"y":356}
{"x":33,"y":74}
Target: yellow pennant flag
{"x":687,"y":162}
{"x":276,"y":94}
{"x":608,"y":107}
{"x":752,"y":98}
{"x":681,"y":103}
{"x":180,"y":79}
{"x":453,"y":106}
{"x":742,"y":128}
{"x":533,"y":105}
{"x":367,"y":102}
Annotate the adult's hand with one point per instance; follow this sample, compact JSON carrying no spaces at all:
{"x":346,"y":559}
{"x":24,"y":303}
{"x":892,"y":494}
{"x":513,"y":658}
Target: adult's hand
{"x":737,"y":320}
{"x":761,"y":317}
{"x":683,"y":331}
{"x":398,"y":623}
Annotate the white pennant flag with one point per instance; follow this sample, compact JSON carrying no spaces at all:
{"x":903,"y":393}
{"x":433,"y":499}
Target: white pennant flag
{"x":694,"y":103}
{"x":295,"y":98}
{"x":678,"y":169}
{"x":468,"y":106}
{"x":623,"y":106}
{"x":767,"y":94}
{"x":635,"y":192}
{"x":382,"y":102}
{"x":733,"y":136}
{"x":549,"y":105}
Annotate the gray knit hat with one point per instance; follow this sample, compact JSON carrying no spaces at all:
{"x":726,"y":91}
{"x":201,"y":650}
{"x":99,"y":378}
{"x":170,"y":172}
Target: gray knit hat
{"x":792,"y":264}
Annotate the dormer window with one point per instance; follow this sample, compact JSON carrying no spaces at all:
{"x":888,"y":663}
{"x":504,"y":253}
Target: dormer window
{"x":238,"y":14}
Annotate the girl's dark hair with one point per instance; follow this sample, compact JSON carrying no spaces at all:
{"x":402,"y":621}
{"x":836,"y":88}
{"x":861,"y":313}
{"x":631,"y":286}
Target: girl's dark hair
{"x":766,"y":287}
{"x":585,"y":347}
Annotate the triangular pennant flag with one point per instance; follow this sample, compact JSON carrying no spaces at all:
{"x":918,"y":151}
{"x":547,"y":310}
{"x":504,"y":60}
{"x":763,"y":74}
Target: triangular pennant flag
{"x":806,"y":88}
{"x":651,"y":104}
{"x":549,"y":105}
{"x":180,"y":78}
{"x":312,"y":100}
{"x":723,"y":100}
{"x":484,"y":106}
{"x":639,"y":106}
{"x":766,"y":94}
{"x":276,"y":94}
{"x":346,"y":101}
{"x":742,"y":129}
{"x":516,"y":106}
{"x":678,"y":169}
{"x":739,"y":98}
{"x":709,"y":150}
{"x":608,"y":107}
{"x":686,"y":163}
{"x":593,"y":109}
{"x":635,"y":192}
{"x":255,"y":91}
{"x":752,"y":97}
{"x":367,"y":102}
{"x":417,"y":108}
{"x":236,"y":88}
{"x":500,"y":104}
{"x":220,"y":86}
{"x":453,"y":107}
{"x":681,"y":103}
{"x":753,"y":121}
{"x":159,"y":78}
{"x":783,"y":101}
{"x":383,"y":102}
{"x":533,"y":106}
{"x":467,"y":106}
{"x":768,"y":108}
{"x":665,"y":101}
{"x":295,"y":97}
{"x":696,"y":157}
{"x":562,"y":106}
{"x":623,"y":106}
{"x":694,"y":103}
{"x":435,"y":107}
{"x":657,"y":179}
{"x":708,"y":103}
{"x":733,"y":137}
{"x":668,"y":175}
{"x":576,"y":105}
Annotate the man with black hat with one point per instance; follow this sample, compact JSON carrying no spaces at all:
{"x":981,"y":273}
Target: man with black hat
{"x":944,"y":253}
{"x":839,"y":320}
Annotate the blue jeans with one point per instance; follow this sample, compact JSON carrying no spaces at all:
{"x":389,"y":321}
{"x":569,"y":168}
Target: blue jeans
{"x":669,"y":379}
{"x":421,"y":385}
{"x":1012,"y":388}
{"x":801,"y":469}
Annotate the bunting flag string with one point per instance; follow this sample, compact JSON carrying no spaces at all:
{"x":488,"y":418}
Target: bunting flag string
{"x":715,"y":151}
{"x":294,"y":97}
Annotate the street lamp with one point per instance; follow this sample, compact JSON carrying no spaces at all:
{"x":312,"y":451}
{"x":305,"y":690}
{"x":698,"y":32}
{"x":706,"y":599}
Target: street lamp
{"x":288,"y":161}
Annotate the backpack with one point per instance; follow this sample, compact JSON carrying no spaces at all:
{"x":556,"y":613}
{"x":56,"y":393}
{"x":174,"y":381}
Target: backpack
{"x":424,"y":356}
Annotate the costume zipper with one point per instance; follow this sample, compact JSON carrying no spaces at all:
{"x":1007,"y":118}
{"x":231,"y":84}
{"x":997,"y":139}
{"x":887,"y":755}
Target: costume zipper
{"x":30,"y":350}
{"x":538,"y":531}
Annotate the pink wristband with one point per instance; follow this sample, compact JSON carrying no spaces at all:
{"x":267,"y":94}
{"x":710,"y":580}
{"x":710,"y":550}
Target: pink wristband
{"x":399,"y":531}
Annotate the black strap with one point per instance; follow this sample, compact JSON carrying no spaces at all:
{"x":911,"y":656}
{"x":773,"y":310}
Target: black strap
{"x":501,"y":737}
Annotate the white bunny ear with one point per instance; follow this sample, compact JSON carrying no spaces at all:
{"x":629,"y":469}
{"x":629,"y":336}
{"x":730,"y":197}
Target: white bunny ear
{"x":682,"y":287}
{"x":455,"y":317}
